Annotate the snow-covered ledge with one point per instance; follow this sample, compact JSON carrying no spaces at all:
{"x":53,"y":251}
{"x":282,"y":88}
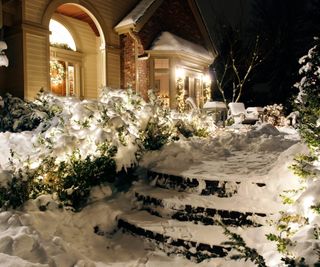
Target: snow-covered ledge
{"x":170,"y":44}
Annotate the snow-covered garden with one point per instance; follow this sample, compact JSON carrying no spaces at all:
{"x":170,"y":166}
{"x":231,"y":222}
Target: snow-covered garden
{"x":67,"y":169}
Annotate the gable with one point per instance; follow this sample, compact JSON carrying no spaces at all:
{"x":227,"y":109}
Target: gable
{"x":181,"y":17}
{"x":174,"y":16}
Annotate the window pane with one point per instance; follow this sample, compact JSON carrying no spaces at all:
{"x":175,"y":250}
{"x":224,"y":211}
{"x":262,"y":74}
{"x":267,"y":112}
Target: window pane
{"x":61,"y":35}
{"x":161,"y":86}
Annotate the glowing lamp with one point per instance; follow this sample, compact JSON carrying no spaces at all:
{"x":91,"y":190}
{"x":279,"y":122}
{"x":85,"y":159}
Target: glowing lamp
{"x":206,"y":79}
{"x":180,"y":73}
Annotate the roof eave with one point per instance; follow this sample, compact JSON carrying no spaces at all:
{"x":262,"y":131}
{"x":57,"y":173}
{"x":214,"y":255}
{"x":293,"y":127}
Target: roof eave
{"x":124,"y":29}
{"x":203,"y":27}
{"x":138,"y":25}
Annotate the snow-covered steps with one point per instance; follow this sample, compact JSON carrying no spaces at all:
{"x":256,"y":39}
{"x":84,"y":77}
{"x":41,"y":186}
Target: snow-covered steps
{"x":199,"y":185}
{"x":196,"y":242}
{"x":209,"y":210}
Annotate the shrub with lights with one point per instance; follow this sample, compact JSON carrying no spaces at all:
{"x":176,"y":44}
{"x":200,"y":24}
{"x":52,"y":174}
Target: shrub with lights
{"x":82,"y":144}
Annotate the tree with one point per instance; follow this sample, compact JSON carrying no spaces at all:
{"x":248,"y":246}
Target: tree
{"x":239,"y":55}
{"x":308,"y":100}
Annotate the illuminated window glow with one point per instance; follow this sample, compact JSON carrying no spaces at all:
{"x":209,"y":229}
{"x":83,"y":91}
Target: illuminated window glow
{"x":60,"y":35}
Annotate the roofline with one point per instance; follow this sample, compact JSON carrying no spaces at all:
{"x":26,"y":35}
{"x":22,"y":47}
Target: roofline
{"x":154,"y":6}
{"x":203,"y":26}
{"x":141,"y":21}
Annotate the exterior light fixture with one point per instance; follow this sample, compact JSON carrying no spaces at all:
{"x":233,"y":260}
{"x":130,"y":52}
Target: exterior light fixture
{"x":180,"y":73}
{"x":3,"y":58}
{"x":207,"y":79}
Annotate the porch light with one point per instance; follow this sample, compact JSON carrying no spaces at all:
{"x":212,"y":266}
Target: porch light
{"x":180,"y":73}
{"x":206,"y":79}
{"x":3,"y":58}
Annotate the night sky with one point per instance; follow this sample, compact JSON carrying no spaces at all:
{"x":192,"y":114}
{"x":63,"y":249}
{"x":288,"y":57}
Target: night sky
{"x":286,"y":30}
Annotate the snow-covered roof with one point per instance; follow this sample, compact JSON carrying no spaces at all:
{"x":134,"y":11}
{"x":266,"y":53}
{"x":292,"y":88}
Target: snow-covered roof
{"x":137,"y":13}
{"x":170,"y":42}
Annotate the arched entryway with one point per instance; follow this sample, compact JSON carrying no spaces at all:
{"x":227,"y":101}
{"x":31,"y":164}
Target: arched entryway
{"x":77,"y":56}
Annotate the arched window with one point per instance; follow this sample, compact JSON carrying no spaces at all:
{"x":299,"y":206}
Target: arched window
{"x":60,"y":36}
{"x":65,"y":61}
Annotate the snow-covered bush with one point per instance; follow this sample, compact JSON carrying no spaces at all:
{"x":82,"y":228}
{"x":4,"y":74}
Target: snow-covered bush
{"x":17,"y":115}
{"x":298,"y":235}
{"x":73,"y":178}
{"x":15,"y":192}
{"x":77,"y":144}
{"x":274,"y":115}
{"x":308,"y":100}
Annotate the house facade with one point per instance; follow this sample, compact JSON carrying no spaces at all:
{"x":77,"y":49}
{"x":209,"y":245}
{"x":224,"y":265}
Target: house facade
{"x":75,"y":47}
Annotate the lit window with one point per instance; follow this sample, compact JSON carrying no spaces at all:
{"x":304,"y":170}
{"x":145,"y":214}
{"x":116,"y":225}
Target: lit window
{"x":60,"y":36}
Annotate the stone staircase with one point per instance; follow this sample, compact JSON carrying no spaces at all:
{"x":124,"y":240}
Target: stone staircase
{"x":185,"y":215}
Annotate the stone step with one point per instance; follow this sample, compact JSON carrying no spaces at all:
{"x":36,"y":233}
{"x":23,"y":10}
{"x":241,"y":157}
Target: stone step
{"x":201,"y":185}
{"x":176,"y":237}
{"x":196,"y":242}
{"x":209,"y":210}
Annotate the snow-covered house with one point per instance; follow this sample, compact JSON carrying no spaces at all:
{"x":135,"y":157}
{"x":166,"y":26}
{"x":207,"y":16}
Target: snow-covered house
{"x":74,"y":47}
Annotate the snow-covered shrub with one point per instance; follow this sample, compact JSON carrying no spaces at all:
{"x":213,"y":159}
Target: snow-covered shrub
{"x":274,"y":115}
{"x":308,"y":100}
{"x":156,"y":134}
{"x":298,"y":238}
{"x":17,"y":115}
{"x":192,"y":128}
{"x":308,"y":105}
{"x":73,"y":179}
{"x":81,"y":144}
{"x":15,"y":192}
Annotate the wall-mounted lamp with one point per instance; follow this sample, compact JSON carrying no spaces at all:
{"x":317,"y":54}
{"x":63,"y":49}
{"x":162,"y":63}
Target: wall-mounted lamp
{"x":207,"y":79}
{"x":180,"y":73}
{"x":3,"y":58}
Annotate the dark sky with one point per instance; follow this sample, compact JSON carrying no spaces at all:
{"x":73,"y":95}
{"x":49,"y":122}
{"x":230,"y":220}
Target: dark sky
{"x":232,"y":10}
{"x":286,"y":29}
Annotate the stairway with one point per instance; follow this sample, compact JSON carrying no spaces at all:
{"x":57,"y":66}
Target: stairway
{"x":185,"y":215}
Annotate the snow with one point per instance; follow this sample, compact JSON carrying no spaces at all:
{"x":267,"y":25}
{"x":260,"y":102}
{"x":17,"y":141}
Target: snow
{"x":60,"y":237}
{"x":228,"y":156}
{"x":133,"y":17}
{"x":170,"y":42}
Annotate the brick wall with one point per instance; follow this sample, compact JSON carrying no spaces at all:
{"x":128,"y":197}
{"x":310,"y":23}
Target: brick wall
{"x":128,"y":65}
{"x":144,"y":83}
{"x":174,"y":16}
{"x":128,"y":70}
